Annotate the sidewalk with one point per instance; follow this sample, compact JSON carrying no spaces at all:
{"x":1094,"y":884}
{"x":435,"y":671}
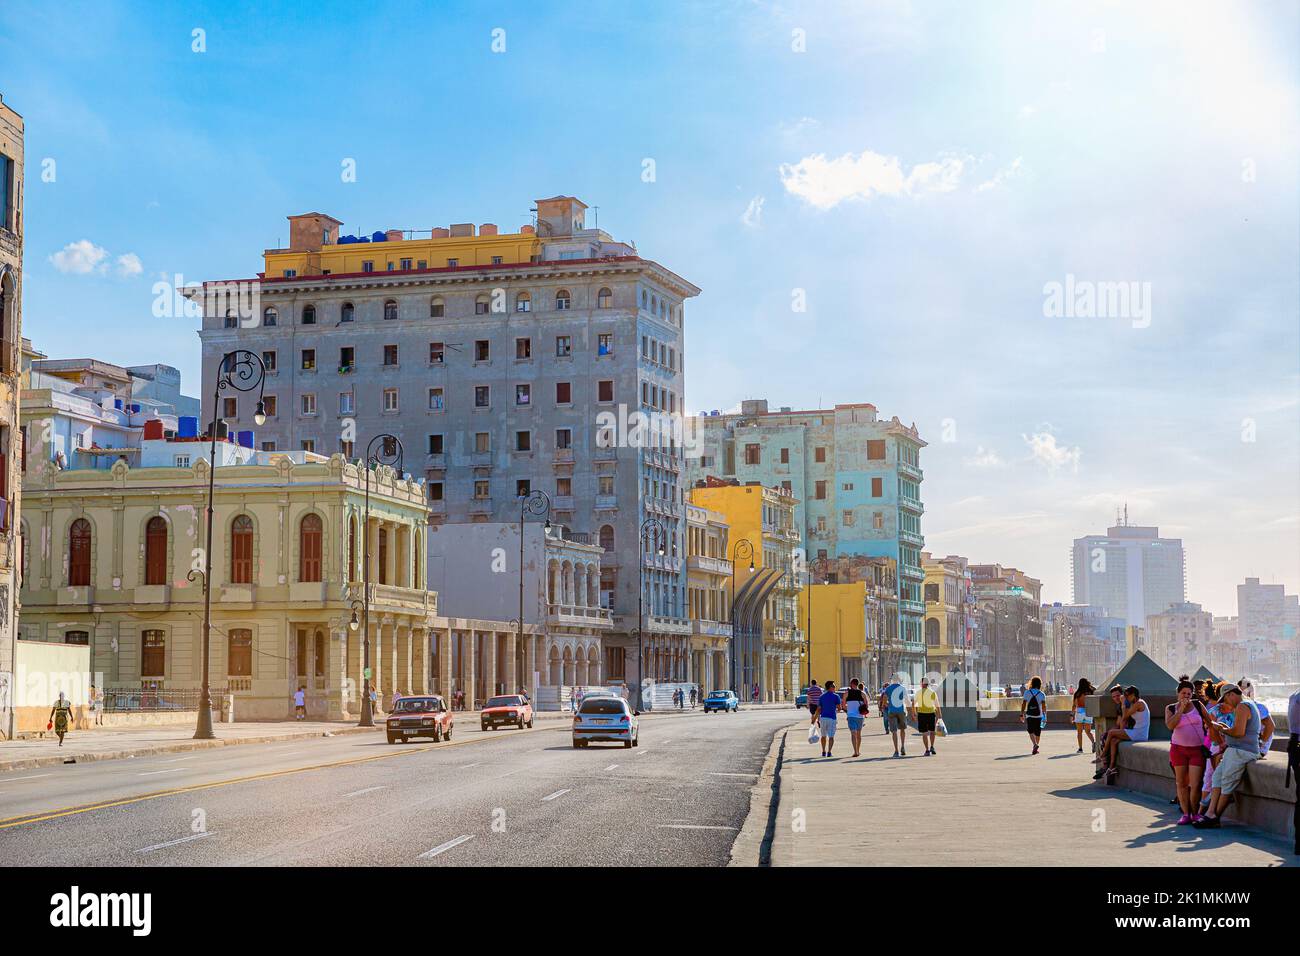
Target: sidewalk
{"x":983,"y":801}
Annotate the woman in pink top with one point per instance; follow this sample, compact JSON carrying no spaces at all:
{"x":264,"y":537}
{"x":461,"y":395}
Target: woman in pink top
{"x":1186,"y":753}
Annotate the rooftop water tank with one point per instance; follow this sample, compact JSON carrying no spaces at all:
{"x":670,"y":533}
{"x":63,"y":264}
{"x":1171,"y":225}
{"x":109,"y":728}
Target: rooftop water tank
{"x":378,"y":236}
{"x":187,"y":426}
{"x":153,"y":429}
{"x":245,"y":439}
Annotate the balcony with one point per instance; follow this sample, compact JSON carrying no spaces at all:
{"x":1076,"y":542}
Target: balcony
{"x":481,"y":459}
{"x":910,"y":471}
{"x":913,"y":573}
{"x":710,"y":629}
{"x":606,"y":502}
{"x":562,"y":503}
{"x":914,"y":538}
{"x":909,"y":606}
{"x":701,"y":562}
{"x":911,"y":504}
{"x":659,"y":624}
{"x":436,"y":462}
{"x":76,"y":596}
{"x":437,"y":507}
{"x":480,"y":506}
{"x":562,"y":456}
{"x":572,"y":615}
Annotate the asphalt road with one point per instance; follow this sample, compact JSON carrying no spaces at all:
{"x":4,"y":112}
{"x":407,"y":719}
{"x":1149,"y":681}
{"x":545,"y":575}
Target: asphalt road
{"x":505,"y":797}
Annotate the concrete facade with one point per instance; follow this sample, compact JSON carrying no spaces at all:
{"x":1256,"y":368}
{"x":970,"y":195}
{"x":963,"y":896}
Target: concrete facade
{"x":948,"y":604}
{"x":1179,"y":638}
{"x":708,"y":597}
{"x":11,"y":445}
{"x":1130,"y":571}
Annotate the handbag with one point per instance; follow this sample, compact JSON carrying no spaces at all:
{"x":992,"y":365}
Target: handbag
{"x":49,"y":725}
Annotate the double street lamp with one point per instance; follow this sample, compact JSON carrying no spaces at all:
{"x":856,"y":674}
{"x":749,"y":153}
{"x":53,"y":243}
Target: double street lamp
{"x":383,"y":450}
{"x":242,"y":371}
{"x":743,"y":546}
{"x":659,"y":541}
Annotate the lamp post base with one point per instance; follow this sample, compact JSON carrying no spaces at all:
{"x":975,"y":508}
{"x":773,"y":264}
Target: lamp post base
{"x":367,"y":716}
{"x":203,"y":730}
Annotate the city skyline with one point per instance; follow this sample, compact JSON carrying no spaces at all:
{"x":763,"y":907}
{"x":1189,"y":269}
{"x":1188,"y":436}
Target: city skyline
{"x":956,"y":209}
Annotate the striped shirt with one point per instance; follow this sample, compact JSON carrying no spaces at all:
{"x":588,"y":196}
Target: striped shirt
{"x":814,"y":694}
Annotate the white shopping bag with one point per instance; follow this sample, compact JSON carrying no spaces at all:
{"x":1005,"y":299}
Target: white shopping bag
{"x":813,"y":734}
{"x":941,"y":728}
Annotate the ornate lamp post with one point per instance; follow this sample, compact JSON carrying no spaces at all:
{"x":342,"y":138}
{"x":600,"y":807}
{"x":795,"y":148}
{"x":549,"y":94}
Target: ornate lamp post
{"x":743,"y":546}
{"x":659,"y":540}
{"x":389,"y":452}
{"x":242,"y":371}
{"x":537,"y":503}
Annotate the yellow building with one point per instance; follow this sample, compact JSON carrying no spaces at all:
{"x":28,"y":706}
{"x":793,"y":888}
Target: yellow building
{"x":764,"y":538}
{"x":708,"y":597}
{"x":946,"y":589}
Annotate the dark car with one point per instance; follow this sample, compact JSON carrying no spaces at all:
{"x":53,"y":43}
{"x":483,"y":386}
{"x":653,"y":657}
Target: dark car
{"x":723,"y":700}
{"x":507,"y":710}
{"x":422,"y":716}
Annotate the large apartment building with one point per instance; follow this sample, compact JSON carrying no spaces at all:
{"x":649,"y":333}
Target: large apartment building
{"x":856,"y":481}
{"x":1130,"y":571}
{"x":11,"y":285}
{"x":506,"y":363}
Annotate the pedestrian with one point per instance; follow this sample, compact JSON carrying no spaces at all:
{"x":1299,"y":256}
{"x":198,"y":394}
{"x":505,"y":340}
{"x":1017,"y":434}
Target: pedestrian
{"x":693,"y":697}
{"x":300,"y":703}
{"x":893,"y":704}
{"x":925,"y":711}
{"x":828,"y":708}
{"x":855,"y":706}
{"x":96,"y":707}
{"x":814,"y":695}
{"x":1186,"y":753}
{"x":1082,"y":722}
{"x":1138,"y":713}
{"x":884,"y":711}
{"x":60,"y":715}
{"x":754,"y":696}
{"x":397,"y":695}
{"x":1240,"y":750}
{"x":374,"y":697}
{"x":1033,"y":710}
{"x":1293,"y":760}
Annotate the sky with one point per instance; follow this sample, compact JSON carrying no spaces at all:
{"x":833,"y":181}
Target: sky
{"x":1060,"y":238}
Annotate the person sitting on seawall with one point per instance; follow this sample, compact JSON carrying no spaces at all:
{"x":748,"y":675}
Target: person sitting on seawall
{"x":1135,"y":710}
{"x":1240,"y":750}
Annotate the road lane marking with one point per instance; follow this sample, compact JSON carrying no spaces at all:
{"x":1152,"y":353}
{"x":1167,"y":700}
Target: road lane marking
{"x":357,"y":793}
{"x":557,"y":793}
{"x":724,"y":773}
{"x":692,"y":826}
{"x":163,"y":846}
{"x":443,"y":848}
{"x":612,"y":766}
{"x":32,"y":777}
{"x":178,"y":759}
{"x":151,"y":773}
{"x":640,"y":752}
{"x":468,"y":765}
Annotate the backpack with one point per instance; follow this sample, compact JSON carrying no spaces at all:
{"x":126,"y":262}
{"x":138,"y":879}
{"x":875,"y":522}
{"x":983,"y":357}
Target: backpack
{"x":1032,"y":708}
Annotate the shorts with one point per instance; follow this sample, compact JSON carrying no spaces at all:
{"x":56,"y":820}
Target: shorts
{"x":812,"y":708}
{"x":1081,"y":716}
{"x":896,"y":721}
{"x":828,"y":727}
{"x":1133,"y":734}
{"x":1180,"y":756}
{"x":1034,"y":725}
{"x":925,"y":721}
{"x":855,"y":723}
{"x":1228,"y":774}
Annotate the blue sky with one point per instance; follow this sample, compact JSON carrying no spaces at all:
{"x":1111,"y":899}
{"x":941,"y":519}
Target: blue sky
{"x":916,"y":172}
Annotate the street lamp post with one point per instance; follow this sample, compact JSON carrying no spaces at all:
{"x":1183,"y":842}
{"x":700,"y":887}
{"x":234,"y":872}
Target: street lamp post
{"x":242,"y":371}
{"x":743,"y":546}
{"x":537,"y":503}
{"x":812,"y":566}
{"x":389,"y":452}
{"x":659,"y":538}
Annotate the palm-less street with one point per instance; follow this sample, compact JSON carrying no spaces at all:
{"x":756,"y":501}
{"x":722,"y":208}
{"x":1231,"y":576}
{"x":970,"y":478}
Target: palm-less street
{"x":504,"y":797}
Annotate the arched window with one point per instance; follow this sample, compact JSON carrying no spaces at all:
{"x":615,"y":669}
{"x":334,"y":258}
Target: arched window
{"x":604,"y":299}
{"x":8,"y":300}
{"x":155,"y":551}
{"x":309,"y":315}
{"x":390,"y":309}
{"x":562,"y":300}
{"x":348,"y":312}
{"x":437,"y":309}
{"x":241,"y":550}
{"x":607,"y":537}
{"x":79,"y":554}
{"x":309,"y":548}
{"x":523,"y":302}
{"x":932,"y":631}
{"x":270,"y":316}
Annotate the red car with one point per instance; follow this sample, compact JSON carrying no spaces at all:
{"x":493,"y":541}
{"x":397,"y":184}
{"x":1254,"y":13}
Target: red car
{"x":425,"y":716}
{"x":508,"y":709}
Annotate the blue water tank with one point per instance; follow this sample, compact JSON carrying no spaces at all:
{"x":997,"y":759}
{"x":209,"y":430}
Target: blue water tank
{"x":245,"y":439}
{"x":378,"y":236}
{"x":187,"y":426}
{"x":117,"y":403}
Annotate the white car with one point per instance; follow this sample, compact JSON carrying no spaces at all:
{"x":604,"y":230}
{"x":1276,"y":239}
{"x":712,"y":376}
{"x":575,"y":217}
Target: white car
{"x":606,"y":719}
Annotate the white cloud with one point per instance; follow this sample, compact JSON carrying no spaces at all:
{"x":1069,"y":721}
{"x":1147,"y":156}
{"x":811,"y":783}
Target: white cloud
{"x":1001,"y":176}
{"x":753,"y":214}
{"x":1044,"y":450}
{"x":825,"y":183}
{"x":80,"y":258}
{"x":129,"y":265}
{"x":984,"y":458}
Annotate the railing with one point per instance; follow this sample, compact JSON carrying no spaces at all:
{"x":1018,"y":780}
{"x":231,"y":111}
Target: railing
{"x":138,"y":700}
{"x":576,"y":614}
{"x":702,"y":562}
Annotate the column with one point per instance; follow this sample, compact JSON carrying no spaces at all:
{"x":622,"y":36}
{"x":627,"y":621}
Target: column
{"x":513,"y":683}
{"x":445,"y":684}
{"x":402,"y":644}
{"x":336,"y":670}
{"x":391,"y":576}
{"x":419,"y":660}
{"x":390,"y":661}
{"x":489,"y":663}
{"x":468,"y":653}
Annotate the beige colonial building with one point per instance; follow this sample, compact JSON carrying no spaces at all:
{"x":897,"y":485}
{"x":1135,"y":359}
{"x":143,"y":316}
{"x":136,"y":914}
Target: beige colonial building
{"x":708,"y":597}
{"x":11,"y":275}
{"x":947,"y":589}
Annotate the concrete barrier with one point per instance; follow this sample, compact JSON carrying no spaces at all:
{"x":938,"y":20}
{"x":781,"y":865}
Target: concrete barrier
{"x":1261,"y":801}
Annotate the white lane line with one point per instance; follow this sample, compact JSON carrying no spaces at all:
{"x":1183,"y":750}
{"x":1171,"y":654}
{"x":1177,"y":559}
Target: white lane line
{"x":723,"y":773}
{"x":163,"y":846}
{"x":151,"y":773}
{"x":691,"y":826}
{"x":557,"y":793}
{"x":178,"y":759}
{"x":640,"y":752}
{"x":612,"y":766}
{"x":289,"y":753}
{"x":444,"y":847}
{"x":32,"y":777}
{"x":468,"y":765}
{"x":357,"y":793}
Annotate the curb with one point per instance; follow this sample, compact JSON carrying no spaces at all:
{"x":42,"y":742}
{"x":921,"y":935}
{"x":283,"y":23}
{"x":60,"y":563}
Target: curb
{"x":753,"y":846}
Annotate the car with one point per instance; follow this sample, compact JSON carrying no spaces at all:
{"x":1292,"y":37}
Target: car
{"x":605,"y":718}
{"x":723,"y":700}
{"x":507,"y":710}
{"x":801,"y":700}
{"x":425,"y":715}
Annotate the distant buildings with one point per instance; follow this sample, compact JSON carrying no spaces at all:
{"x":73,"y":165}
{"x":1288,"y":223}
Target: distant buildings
{"x":1009,"y":636}
{"x":1083,"y":641}
{"x":708,"y":596}
{"x":1180,"y":638}
{"x":949,"y":609}
{"x":1130,"y":571}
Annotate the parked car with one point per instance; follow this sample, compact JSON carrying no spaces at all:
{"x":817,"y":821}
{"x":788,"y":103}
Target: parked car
{"x":801,"y":700}
{"x":605,"y":719}
{"x":723,"y":700}
{"x":420,"y":716}
{"x":506,"y":710}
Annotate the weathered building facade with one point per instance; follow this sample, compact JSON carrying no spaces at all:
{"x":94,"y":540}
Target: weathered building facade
{"x":11,"y":451}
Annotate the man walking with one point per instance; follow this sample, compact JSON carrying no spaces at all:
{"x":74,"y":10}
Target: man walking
{"x":300,"y":703}
{"x":893,"y":704}
{"x":814,"y":695}
{"x":855,"y":706}
{"x":828,"y":708}
{"x":925,"y":711}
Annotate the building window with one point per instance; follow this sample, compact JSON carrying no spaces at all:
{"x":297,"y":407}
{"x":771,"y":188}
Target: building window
{"x":605,"y":343}
{"x":523,"y":488}
{"x":523,"y":302}
{"x":563,"y":346}
{"x":435,"y":353}
{"x":753,"y":455}
{"x":606,"y":537}
{"x":605,"y":391}
{"x":523,"y":441}
{"x":309,"y":444}
{"x":309,"y":548}
{"x":268,"y":359}
{"x":562,"y":300}
{"x":153,"y":654}
{"x":229,"y":408}
{"x":349,"y":313}
{"x":309,"y":315}
{"x":79,"y":540}
{"x":155,"y":551}
{"x":390,"y":399}
{"x":482,"y":350}
{"x":309,"y":404}
{"x":482,"y":396}
{"x":406,"y":264}
{"x":347,"y":403}
{"x":604,"y":299}
{"x":605,"y":485}
{"x":308,"y":360}
{"x":563,"y":393}
{"x":563,"y":487}
{"x":523,"y":394}
{"x":482,"y":489}
{"x":270,"y":317}
{"x":368,"y":265}
{"x":878,"y":520}
{"x":876,"y":449}
{"x":847,"y":519}
{"x":563,"y":438}
{"x":241,"y":550}
{"x":435,"y":399}
{"x":877,"y":487}
{"x":819,"y":454}
{"x":390,"y":309}
{"x":436,"y":309}
{"x":523,"y":348}
{"x":239,"y":657}
{"x":820,"y":493}
{"x":482,"y":442}
{"x":435,"y":490}
{"x":390,"y":355}
{"x":435,"y":444}
{"x":80,"y":638}
{"x":453,"y":263}
{"x":481,"y":305}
